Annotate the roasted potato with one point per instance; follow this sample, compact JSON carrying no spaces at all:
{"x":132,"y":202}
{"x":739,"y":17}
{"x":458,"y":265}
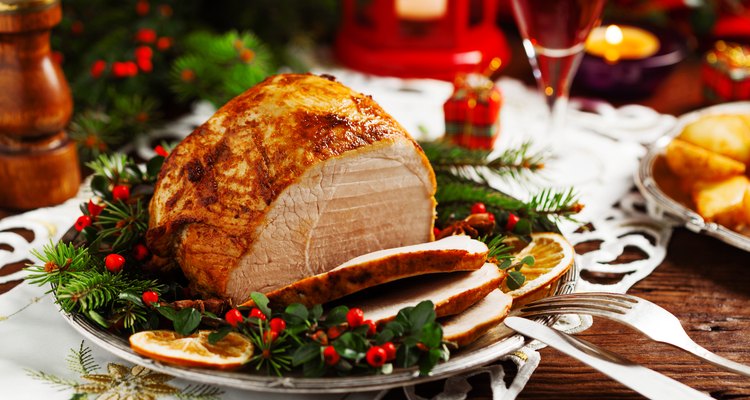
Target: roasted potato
{"x":722,"y":201}
{"x":728,"y":135}
{"x":690,"y":161}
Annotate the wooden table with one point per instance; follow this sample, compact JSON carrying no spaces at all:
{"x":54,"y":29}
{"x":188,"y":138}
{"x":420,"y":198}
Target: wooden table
{"x":703,"y":281}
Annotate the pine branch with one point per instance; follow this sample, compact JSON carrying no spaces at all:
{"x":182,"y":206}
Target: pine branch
{"x":89,"y":291}
{"x":466,"y":163}
{"x":51,"y":379}
{"x":60,"y":263}
{"x":120,"y":226}
{"x":113,"y":168}
{"x":200,"y":392}
{"x":81,"y":361}
{"x":553,"y":204}
{"x":498,"y":250}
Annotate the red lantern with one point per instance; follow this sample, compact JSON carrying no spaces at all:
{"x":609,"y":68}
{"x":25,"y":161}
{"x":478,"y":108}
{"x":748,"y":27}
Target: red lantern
{"x":420,"y":38}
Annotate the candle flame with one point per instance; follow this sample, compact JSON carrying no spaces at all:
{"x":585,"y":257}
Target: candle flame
{"x":613,"y":34}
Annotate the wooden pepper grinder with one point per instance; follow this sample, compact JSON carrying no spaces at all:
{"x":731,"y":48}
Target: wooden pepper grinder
{"x":38,"y":161}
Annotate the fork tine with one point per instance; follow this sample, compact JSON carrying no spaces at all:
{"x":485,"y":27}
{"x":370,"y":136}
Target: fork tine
{"x":605,"y":307}
{"x":596,"y":296}
{"x":564,"y":310}
{"x":583,"y":301}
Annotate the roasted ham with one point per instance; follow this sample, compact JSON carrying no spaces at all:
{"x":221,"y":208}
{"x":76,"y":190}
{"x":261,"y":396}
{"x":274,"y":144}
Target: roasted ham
{"x":286,"y":181}
{"x":475,"y":321}
{"x":451,"y":293}
{"x":454,"y":253}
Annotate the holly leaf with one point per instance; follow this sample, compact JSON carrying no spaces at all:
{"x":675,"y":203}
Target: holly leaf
{"x":305,"y":353}
{"x":296,"y":313}
{"x":429,"y":360}
{"x":153,"y":166}
{"x":168,"y":313}
{"x":100,"y":185}
{"x":216,"y":336}
{"x":186,"y":321}
{"x":422,"y":314}
{"x":316,"y":312}
{"x":336,"y":316}
{"x":507,"y":263}
{"x":432,"y":335}
{"x":261,"y":301}
{"x":515,"y":280}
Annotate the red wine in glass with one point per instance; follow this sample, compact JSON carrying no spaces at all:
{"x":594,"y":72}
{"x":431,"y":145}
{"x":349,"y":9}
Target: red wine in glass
{"x":554,"y":33}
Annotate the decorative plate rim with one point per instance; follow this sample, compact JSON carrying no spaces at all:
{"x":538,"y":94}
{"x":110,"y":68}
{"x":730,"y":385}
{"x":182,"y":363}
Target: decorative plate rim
{"x":662,"y":207}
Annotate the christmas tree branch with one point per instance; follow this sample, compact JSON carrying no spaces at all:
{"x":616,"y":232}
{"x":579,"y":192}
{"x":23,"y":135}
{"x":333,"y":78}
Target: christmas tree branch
{"x":514,"y":163}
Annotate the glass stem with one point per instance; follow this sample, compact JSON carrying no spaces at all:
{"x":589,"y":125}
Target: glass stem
{"x":554,"y":71}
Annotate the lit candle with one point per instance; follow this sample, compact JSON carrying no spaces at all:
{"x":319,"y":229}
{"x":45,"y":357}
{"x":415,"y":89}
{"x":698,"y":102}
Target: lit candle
{"x":615,"y":43}
{"x":421,"y":10}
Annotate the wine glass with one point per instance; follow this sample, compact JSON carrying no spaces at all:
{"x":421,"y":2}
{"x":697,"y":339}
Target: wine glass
{"x":554,"y":33}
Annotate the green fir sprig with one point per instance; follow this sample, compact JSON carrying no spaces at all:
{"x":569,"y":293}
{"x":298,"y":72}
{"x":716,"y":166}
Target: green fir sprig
{"x":515,"y":163}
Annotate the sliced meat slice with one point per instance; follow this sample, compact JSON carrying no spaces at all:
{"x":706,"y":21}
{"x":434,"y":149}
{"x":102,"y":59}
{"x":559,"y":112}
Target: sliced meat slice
{"x":451,"y":293}
{"x":454,"y":253}
{"x":469,"y":325}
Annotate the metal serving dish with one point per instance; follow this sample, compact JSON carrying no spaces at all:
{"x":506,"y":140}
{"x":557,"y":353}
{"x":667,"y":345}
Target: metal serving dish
{"x":665,"y":201}
{"x":498,"y":342}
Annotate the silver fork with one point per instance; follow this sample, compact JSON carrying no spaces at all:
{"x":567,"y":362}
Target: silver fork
{"x":655,"y":322}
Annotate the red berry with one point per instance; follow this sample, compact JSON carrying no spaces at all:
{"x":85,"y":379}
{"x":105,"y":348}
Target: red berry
{"x":478,"y":208}
{"x":390,"y":350}
{"x":371,"y":327}
{"x":119,"y":69}
{"x":277,"y":325}
{"x":512,"y":221}
{"x":270,"y":336}
{"x":334,"y":332}
{"x":320,"y":337}
{"x":145,"y":35}
{"x":255,"y":312}
{"x":132,"y":68}
{"x":94,"y":209}
{"x":97,"y":68}
{"x":140,"y":252}
{"x":491,"y":217}
{"x":376,"y":356}
{"x":160,"y":150}
{"x":164,"y":43}
{"x":233,"y":317}
{"x":142,"y":7}
{"x":114,"y":263}
{"x":436,"y":232}
{"x":143,"y":52}
{"x":145,"y":64}
{"x":150,"y":297}
{"x":330,"y":356}
{"x":82,"y":222}
{"x":355,"y":317}
{"x":121,"y":192}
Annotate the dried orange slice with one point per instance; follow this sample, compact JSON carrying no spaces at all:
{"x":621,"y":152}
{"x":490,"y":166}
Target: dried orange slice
{"x":169,"y":347}
{"x":553,"y":256}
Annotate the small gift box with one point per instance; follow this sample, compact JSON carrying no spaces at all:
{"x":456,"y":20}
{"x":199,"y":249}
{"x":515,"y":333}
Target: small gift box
{"x":726,"y":72}
{"x":472,"y":112}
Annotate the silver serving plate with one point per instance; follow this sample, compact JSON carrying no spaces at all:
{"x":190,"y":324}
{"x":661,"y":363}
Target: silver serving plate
{"x":663,"y":207}
{"x":498,"y":342}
